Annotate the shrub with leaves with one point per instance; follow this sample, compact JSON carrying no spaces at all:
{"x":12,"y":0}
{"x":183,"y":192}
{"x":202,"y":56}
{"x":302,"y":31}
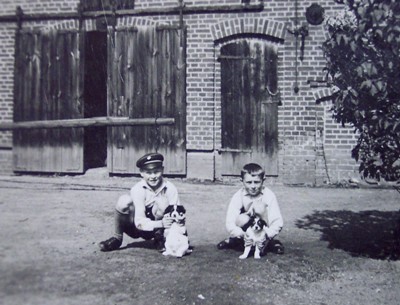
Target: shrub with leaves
{"x":363,"y":64}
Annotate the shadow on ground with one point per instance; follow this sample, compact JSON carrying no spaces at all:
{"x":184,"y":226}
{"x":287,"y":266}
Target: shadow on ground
{"x":373,"y":234}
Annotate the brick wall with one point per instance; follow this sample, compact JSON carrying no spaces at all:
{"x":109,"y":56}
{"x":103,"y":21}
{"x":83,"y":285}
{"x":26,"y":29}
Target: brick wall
{"x":6,"y":82}
{"x":338,"y":142}
{"x":312,"y":148}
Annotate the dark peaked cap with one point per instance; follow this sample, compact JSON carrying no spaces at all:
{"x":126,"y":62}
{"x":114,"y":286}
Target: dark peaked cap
{"x":150,"y":161}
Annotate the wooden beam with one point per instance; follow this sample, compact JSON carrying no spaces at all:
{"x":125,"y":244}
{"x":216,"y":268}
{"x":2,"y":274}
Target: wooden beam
{"x":39,"y":17}
{"x":210,"y":9}
{"x":90,"y":122}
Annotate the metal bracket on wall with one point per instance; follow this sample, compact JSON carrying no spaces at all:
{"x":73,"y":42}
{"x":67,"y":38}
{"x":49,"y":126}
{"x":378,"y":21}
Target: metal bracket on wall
{"x":20,"y":14}
{"x":302,"y":32}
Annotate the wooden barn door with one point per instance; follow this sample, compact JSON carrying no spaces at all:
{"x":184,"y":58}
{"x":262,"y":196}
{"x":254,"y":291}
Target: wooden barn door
{"x":249,"y":106}
{"x":147,"y":76}
{"x":48,"y":86}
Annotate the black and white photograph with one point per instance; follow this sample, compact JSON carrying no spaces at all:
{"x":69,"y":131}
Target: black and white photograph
{"x":189,"y":152}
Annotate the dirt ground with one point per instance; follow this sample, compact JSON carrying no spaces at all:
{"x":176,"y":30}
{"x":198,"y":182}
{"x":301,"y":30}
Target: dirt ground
{"x":339,"y":248}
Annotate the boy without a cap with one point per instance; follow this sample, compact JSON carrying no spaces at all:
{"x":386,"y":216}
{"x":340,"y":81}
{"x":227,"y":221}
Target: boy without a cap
{"x":253,"y":198}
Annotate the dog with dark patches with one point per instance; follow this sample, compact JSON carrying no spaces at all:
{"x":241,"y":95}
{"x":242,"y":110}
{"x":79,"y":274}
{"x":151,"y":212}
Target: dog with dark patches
{"x":176,"y":239}
{"x":254,"y":237}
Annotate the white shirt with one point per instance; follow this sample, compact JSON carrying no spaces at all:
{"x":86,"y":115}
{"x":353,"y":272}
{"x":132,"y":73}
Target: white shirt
{"x":144,"y":196}
{"x":265,"y":205}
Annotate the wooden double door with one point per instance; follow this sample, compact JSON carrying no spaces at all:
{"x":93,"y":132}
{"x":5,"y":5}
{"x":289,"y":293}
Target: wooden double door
{"x":144,"y":76}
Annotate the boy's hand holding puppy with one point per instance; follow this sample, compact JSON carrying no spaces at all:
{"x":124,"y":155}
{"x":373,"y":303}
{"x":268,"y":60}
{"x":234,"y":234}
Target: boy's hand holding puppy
{"x":167,"y":221}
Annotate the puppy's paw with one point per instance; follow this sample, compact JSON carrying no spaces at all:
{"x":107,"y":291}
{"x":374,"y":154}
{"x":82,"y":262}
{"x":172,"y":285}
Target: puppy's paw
{"x":257,"y":256}
{"x":243,"y":256}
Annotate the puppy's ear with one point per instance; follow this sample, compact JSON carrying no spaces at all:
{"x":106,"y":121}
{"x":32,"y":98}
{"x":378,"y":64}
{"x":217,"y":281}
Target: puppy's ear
{"x":180,"y":209}
{"x":248,"y":224}
{"x":262,"y":223}
{"x":169,"y":209}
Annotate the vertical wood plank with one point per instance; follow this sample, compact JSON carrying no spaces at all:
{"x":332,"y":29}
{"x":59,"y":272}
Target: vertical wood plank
{"x":172,"y":63}
{"x":111,"y":37}
{"x":18,"y":101}
{"x":117,"y":69}
{"x":26,"y":142}
{"x":47,"y":100}
{"x":72,"y":144}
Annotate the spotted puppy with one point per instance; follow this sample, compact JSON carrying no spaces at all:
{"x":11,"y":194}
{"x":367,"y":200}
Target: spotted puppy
{"x":254,"y":237}
{"x":176,"y":239}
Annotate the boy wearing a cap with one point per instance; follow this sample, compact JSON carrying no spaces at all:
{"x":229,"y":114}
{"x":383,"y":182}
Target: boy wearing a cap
{"x":141,"y":214}
{"x":253,"y":199}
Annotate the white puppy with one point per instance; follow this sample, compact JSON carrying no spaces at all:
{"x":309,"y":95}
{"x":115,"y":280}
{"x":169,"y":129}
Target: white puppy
{"x":176,"y":239}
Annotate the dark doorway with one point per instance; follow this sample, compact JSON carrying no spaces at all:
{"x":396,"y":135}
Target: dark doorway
{"x":95,"y":97}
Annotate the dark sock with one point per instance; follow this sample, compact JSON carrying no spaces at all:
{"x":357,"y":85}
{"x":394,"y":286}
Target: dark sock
{"x":120,"y":221}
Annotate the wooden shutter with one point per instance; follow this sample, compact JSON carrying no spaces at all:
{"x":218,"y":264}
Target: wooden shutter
{"x":249,"y":106}
{"x":147,"y":74}
{"x":48,"y":86}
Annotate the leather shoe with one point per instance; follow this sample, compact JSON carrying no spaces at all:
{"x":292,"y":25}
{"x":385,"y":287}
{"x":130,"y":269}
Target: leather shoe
{"x":110,"y":244}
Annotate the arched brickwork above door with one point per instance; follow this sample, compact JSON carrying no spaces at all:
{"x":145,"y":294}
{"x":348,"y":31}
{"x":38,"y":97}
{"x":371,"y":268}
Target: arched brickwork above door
{"x":248,"y":26}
